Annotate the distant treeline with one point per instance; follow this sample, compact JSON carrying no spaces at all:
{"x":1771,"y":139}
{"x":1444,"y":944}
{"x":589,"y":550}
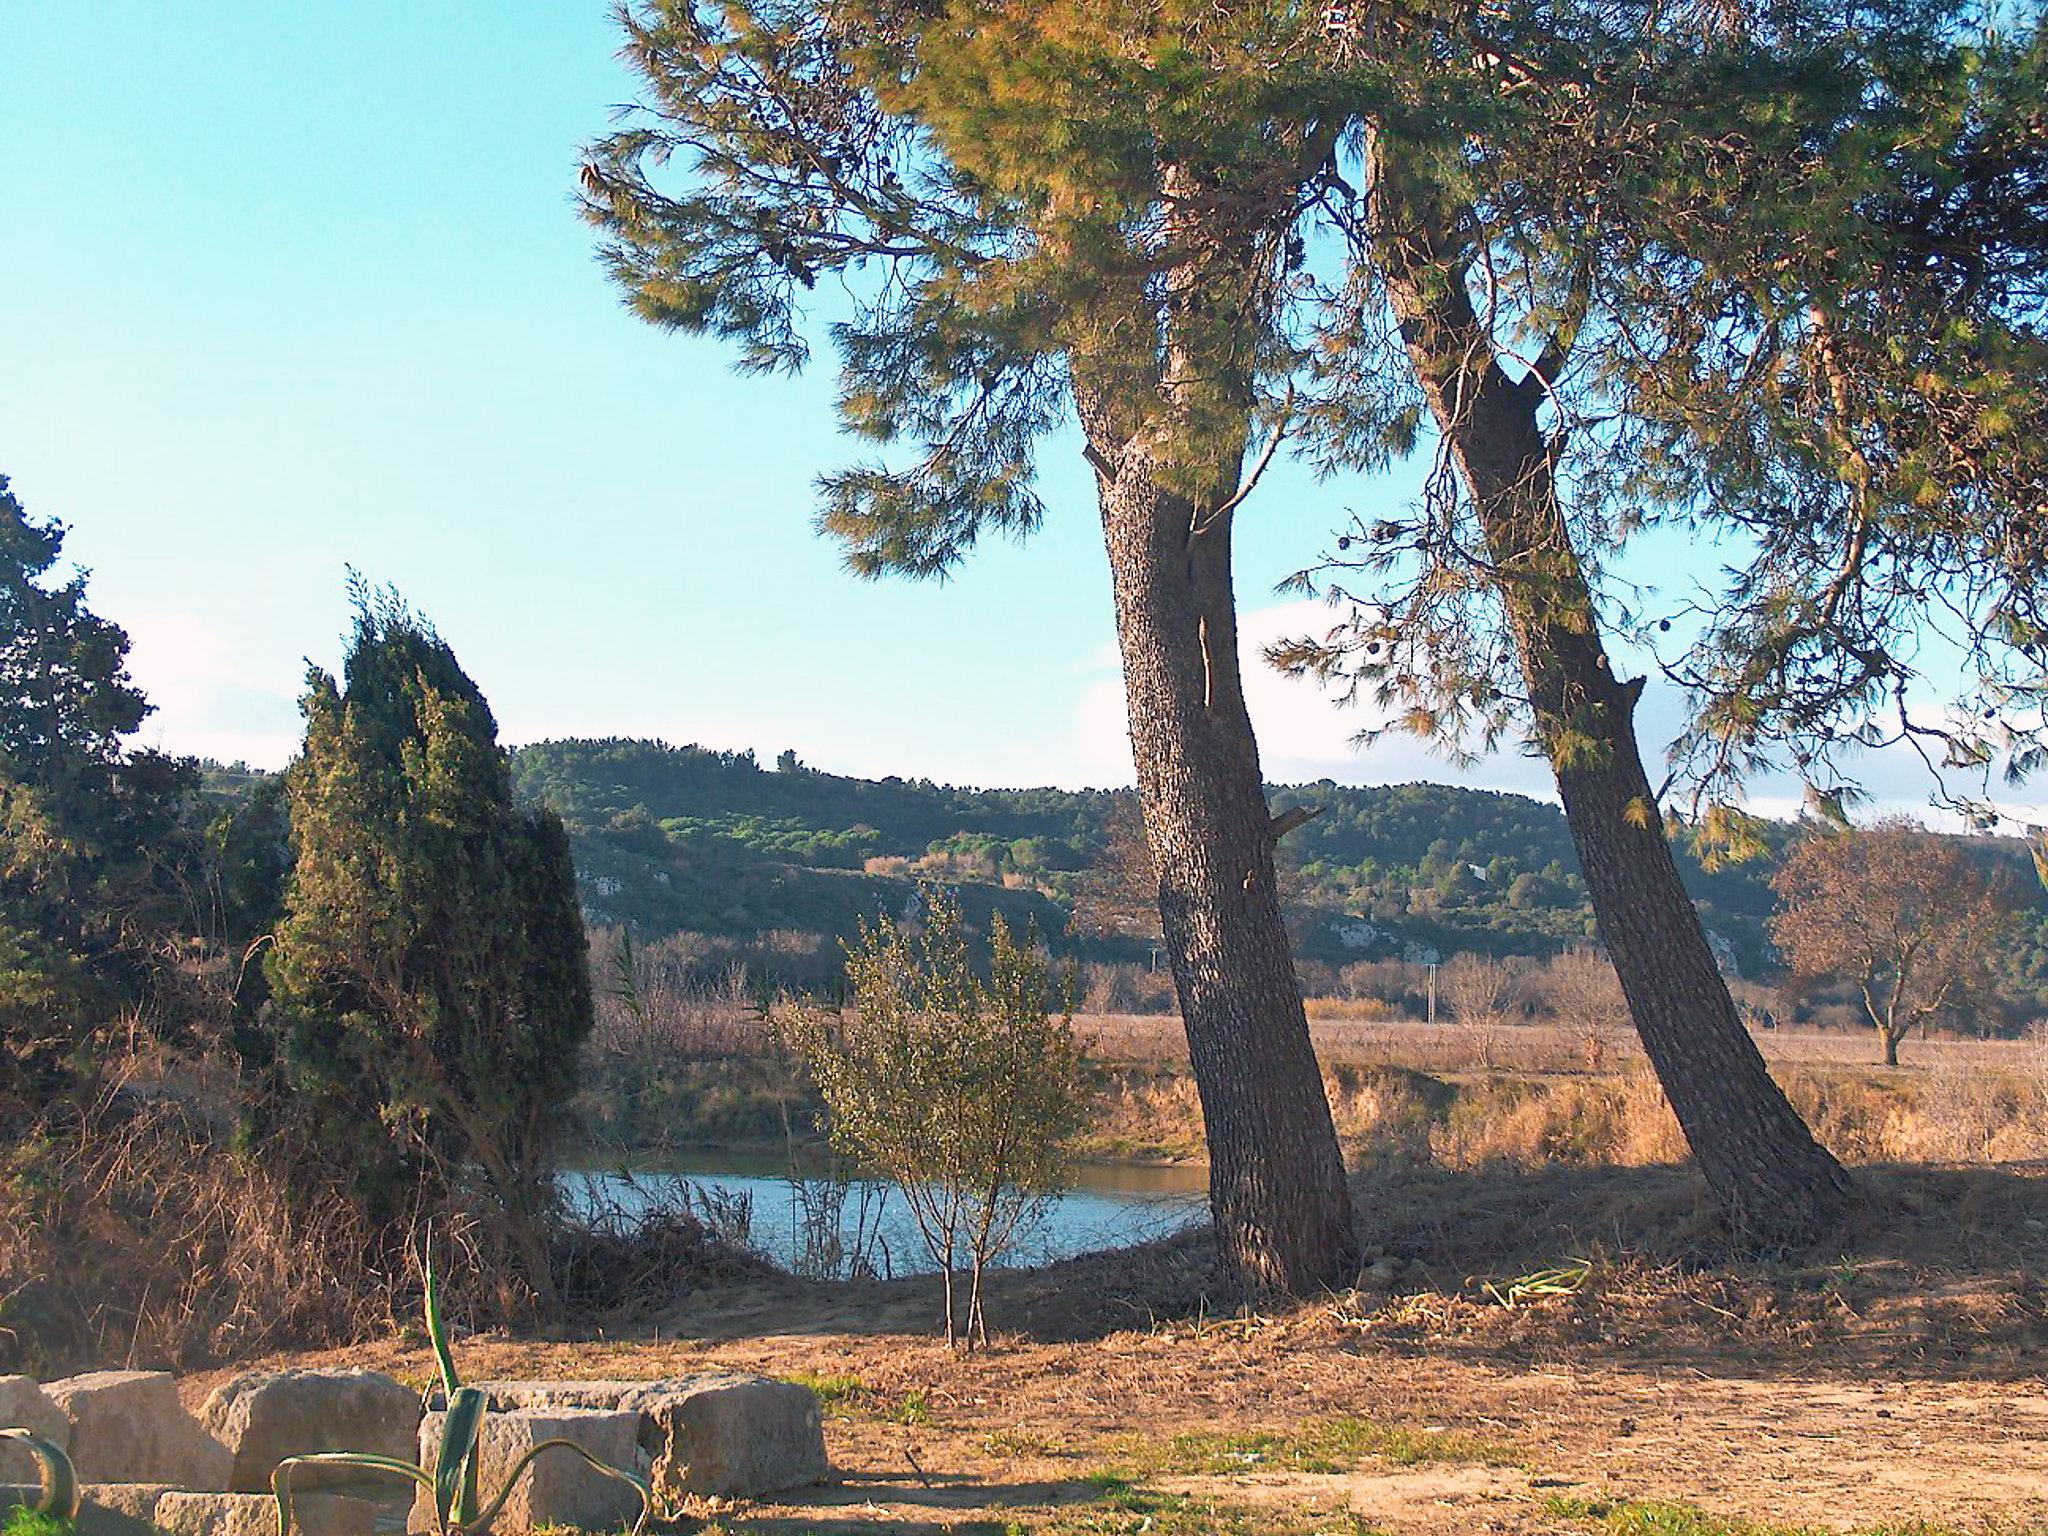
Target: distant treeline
{"x":685,"y":839}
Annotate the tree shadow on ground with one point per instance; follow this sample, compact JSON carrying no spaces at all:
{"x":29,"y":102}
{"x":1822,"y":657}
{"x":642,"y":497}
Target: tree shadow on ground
{"x":867,"y":1503}
{"x":1935,"y":1274}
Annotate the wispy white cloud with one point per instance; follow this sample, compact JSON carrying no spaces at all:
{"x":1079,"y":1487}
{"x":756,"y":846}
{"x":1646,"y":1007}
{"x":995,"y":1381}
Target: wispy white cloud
{"x":205,"y":703}
{"x":1304,"y":731}
{"x":1304,"y":734}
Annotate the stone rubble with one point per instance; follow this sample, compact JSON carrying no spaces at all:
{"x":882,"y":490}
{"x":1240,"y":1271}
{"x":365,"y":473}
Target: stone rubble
{"x":130,"y":1427}
{"x":149,"y":1465}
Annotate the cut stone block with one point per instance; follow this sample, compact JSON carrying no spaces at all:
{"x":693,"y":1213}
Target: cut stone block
{"x":508,"y":1395}
{"x":560,"y":1488}
{"x":730,"y":1436}
{"x":24,"y":1405}
{"x":105,"y":1509}
{"x":119,"y":1509}
{"x":255,"y":1514}
{"x":266,"y":1416}
{"x":129,"y":1427}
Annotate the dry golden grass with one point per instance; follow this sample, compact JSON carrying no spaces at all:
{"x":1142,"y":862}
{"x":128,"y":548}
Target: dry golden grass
{"x":1974,"y":1106}
{"x":137,"y":1236}
{"x":1346,"y":1034}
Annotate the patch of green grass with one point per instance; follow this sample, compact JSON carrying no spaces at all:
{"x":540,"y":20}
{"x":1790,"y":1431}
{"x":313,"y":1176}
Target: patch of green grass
{"x":1125,"y":1509}
{"x":23,"y":1521}
{"x":1002,"y":1443}
{"x":914,"y":1408}
{"x":833,"y":1391}
{"x":1651,"y":1517}
{"x":1322,"y":1445}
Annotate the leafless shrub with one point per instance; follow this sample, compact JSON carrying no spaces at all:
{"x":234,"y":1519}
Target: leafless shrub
{"x":1123,"y":987}
{"x":134,"y":1234}
{"x":638,"y":1238}
{"x":672,"y":1000}
{"x":1396,"y":983}
{"x":1586,"y":993}
{"x":822,"y":1203}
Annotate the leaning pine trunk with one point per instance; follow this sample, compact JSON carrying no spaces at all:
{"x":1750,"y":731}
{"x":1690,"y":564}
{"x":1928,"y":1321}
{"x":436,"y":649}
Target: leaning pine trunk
{"x":1774,"y":1182}
{"x":1276,"y":1178}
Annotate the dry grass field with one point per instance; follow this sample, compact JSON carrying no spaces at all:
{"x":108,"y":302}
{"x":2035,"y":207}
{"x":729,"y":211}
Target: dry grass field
{"x":1541,"y":1048}
{"x":1538,"y":1095}
{"x":1550,"y":1337}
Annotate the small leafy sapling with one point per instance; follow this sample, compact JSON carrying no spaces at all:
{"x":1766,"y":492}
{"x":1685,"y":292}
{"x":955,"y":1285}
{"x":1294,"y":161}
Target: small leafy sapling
{"x":963,"y":1083}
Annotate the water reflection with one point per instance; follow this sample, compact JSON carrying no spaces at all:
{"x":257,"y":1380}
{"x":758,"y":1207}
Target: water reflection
{"x":1110,"y":1206}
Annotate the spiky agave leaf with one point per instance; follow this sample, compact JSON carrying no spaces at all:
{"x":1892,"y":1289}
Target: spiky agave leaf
{"x":60,"y":1478}
{"x":281,"y":1475}
{"x":634,"y":1480}
{"x":437,"y":1330}
{"x":455,"y":1467}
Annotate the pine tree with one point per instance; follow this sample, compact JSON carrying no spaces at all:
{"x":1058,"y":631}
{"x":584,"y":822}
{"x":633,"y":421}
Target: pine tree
{"x":1201,"y":230}
{"x":429,"y":978}
{"x":1775,"y":280}
{"x":1082,"y":216}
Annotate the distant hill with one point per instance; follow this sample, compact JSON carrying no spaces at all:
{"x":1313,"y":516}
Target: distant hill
{"x":684,"y":838}
{"x":672,"y":840}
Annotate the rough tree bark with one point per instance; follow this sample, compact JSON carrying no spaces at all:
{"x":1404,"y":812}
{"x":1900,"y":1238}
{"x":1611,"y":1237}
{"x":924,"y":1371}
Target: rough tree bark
{"x":1282,"y":1210}
{"x":1774,"y":1182}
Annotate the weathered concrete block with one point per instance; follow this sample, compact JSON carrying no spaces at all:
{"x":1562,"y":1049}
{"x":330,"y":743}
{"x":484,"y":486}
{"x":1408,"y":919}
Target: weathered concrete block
{"x":24,"y":1405}
{"x":129,"y":1427}
{"x":265,"y":1416}
{"x":508,"y":1395}
{"x":730,"y":1436}
{"x":558,"y":1489}
{"x":255,"y":1514}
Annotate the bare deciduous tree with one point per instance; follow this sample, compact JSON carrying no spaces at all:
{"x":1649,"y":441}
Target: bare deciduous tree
{"x":1483,"y":992}
{"x":1587,"y":992}
{"x":1904,"y":916}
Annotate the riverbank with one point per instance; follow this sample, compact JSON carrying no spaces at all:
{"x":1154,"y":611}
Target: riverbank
{"x":1527,"y":1096}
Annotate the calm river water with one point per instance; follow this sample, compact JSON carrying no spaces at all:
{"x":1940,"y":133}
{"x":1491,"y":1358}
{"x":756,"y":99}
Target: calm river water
{"x":1110,"y":1206}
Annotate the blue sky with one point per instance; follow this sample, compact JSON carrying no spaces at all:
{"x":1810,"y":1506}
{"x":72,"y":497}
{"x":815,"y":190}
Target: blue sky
{"x":289,"y":288}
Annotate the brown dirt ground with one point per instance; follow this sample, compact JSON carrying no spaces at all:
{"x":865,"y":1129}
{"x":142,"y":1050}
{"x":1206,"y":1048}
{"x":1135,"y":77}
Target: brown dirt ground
{"x":1892,"y":1375}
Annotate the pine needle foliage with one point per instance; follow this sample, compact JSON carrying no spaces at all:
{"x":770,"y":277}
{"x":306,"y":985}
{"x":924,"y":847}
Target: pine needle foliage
{"x":1778,"y":275}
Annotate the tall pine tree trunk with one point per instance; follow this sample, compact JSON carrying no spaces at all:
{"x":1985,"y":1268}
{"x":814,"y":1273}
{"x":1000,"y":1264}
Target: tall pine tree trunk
{"x":1773,"y":1181}
{"x":1282,"y":1210}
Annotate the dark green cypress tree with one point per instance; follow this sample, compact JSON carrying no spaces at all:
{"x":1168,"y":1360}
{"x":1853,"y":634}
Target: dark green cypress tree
{"x":429,"y":985}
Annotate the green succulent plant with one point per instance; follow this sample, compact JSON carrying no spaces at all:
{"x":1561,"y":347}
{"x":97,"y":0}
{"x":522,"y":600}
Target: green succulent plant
{"x":60,"y":1478}
{"x":453,"y":1479}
